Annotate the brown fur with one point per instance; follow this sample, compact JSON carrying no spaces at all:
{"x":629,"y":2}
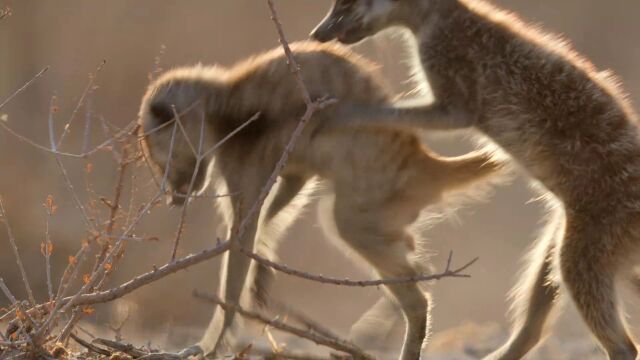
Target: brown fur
{"x":381,"y":179}
{"x":566,"y":124}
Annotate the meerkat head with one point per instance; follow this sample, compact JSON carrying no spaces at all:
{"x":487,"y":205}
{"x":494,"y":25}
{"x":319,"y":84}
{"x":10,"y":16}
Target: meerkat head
{"x":350,"y":21}
{"x":175,"y":131}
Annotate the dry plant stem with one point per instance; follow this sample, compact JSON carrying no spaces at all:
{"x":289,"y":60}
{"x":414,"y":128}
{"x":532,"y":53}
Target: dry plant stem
{"x":199,"y":159}
{"x":61,"y":294}
{"x":125,"y":348}
{"x":100,"y":147}
{"x":87,"y":127}
{"x":66,"y":330}
{"x":69,"y":274}
{"x":151,"y":276}
{"x":311,"y":108}
{"x":231,"y":134}
{"x":139,"y":281}
{"x":286,"y":310}
{"x":448,"y":272}
{"x":24,"y":87}
{"x":113,"y":207}
{"x":13,"y":343}
{"x":98,"y":275}
{"x":107,"y":132}
{"x":16,"y":303}
{"x":90,"y":346}
{"x":16,"y":253}
{"x":88,"y":90}
{"x":48,"y":245}
{"x":67,"y":180}
{"x":336,"y":344}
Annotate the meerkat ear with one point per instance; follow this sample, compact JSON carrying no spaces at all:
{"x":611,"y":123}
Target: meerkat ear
{"x":162,"y":112}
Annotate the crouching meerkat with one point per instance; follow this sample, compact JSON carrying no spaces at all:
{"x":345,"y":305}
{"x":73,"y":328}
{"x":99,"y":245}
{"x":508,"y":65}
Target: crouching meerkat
{"x":380,"y":179}
{"x":566,"y":124}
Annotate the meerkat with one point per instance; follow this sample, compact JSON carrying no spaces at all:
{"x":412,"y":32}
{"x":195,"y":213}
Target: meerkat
{"x":568,"y":125}
{"x":380,"y":179}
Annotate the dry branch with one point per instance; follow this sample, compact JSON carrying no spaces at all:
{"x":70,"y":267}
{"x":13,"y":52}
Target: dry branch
{"x":448,"y":272}
{"x":334,"y":343}
{"x":90,"y":347}
{"x":297,"y":316}
{"x":24,"y":87}
{"x":87,"y":91}
{"x":16,"y":253}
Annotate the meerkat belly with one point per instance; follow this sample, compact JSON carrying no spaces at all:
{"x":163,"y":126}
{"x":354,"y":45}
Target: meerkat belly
{"x":369,"y":165}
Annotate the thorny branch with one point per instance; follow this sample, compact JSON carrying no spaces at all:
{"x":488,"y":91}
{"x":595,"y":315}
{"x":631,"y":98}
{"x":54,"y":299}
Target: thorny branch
{"x":16,"y":253}
{"x":24,"y":87}
{"x":448,"y":272}
{"x":334,"y":343}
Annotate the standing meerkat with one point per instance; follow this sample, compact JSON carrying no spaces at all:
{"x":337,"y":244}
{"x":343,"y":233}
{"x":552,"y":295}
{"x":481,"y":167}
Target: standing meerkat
{"x":569,"y":126}
{"x":380,"y":179}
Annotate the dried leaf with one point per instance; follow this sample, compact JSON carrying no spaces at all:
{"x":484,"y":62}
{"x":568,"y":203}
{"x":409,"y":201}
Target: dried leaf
{"x":20,"y":314}
{"x":85,"y":244}
{"x":86,"y":278}
{"x":72,"y":260}
{"x":88,"y":310}
{"x":89,"y":168}
{"x":14,"y":336}
{"x":50,"y":205}
{"x":46,"y":248}
{"x":108,"y":266}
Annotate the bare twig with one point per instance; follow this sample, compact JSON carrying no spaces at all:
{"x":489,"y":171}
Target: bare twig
{"x":125,"y":348}
{"x":87,"y":127}
{"x":87,"y":91}
{"x":297,"y":316}
{"x":75,"y":263}
{"x":336,"y":344}
{"x":113,"y":207}
{"x":17,"y":305}
{"x":90,"y":346}
{"x":47,"y":248}
{"x":311,"y":108}
{"x":63,"y":171}
{"x":196,"y":170}
{"x":152,"y":276}
{"x":16,"y":253}
{"x":24,"y":87}
{"x":255,"y":117}
{"x":448,"y":272}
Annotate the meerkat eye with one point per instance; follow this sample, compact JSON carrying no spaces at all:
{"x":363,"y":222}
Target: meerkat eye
{"x":162,"y":112}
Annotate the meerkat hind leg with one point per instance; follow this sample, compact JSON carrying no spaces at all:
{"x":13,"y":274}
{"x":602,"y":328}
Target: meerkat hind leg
{"x":373,"y":328}
{"x":590,"y":277}
{"x":388,"y":252}
{"x":534,"y":296}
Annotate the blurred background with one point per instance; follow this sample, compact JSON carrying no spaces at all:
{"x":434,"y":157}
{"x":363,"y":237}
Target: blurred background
{"x":136,"y":38}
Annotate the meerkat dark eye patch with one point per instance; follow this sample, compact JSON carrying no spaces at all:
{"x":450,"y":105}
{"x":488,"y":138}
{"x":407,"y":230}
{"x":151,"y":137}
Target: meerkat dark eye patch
{"x":161,"y":112}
